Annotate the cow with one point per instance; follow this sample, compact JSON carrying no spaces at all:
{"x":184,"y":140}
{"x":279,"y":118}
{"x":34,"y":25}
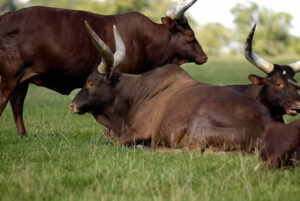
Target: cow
{"x":281,"y":145}
{"x":277,"y":91}
{"x":49,"y":47}
{"x":167,"y":107}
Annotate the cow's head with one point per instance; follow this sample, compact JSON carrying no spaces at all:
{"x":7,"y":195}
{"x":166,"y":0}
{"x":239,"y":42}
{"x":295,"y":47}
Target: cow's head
{"x":97,"y":92}
{"x":279,"y":88}
{"x":184,"y":44}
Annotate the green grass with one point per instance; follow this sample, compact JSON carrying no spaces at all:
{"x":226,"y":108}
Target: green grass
{"x":66,"y":157}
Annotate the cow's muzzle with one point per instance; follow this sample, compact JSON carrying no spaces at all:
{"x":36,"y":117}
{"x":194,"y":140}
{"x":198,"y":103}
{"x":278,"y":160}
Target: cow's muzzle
{"x":201,"y":60}
{"x":74,"y":108}
{"x":294,"y":109}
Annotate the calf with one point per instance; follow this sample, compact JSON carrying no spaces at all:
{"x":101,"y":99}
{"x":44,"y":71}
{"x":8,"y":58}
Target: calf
{"x":168,"y":107}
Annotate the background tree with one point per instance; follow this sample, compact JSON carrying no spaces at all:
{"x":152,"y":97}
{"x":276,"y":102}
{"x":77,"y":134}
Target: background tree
{"x":55,"y":3}
{"x":272,"y":35}
{"x":154,"y":9}
{"x":214,"y":37}
{"x":7,"y":5}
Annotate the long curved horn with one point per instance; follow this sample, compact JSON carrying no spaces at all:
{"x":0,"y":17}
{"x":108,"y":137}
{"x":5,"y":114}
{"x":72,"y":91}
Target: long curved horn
{"x":105,"y":52}
{"x":120,"y":52}
{"x":253,"y":58}
{"x":176,"y":11}
{"x":295,"y":66}
{"x":294,"y":83}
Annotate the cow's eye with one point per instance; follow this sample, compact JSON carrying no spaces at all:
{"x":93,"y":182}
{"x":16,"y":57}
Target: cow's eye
{"x":190,"y":38}
{"x":90,"y":83}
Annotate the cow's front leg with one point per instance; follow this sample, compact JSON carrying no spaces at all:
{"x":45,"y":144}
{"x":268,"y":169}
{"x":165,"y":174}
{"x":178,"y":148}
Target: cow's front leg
{"x":130,"y":138}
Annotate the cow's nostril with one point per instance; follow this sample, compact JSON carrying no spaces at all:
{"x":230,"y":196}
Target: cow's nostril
{"x":71,"y":106}
{"x":201,"y":60}
{"x":74,"y":108}
{"x":205,"y":59}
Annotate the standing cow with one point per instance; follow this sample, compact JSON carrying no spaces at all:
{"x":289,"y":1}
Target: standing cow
{"x":278,"y":91}
{"x":49,"y":47}
{"x":168,"y":107}
{"x":281,"y":145}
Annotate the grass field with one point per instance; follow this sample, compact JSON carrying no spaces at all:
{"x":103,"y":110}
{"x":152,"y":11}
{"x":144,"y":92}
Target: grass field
{"x":66,"y":157}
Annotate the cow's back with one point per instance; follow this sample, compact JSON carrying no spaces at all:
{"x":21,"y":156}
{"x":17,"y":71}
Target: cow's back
{"x":157,"y":94}
{"x":53,"y":45}
{"x":49,"y":42}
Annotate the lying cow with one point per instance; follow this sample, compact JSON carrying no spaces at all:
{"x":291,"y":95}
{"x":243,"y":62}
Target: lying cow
{"x":168,"y":107}
{"x":281,"y":145}
{"x":278,"y":91}
{"x":49,"y":47}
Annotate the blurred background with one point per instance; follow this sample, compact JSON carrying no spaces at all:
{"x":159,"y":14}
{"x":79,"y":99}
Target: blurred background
{"x":66,"y":156}
{"x":221,"y":27}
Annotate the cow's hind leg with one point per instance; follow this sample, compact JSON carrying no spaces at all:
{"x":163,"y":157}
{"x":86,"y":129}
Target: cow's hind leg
{"x":17,"y":102}
{"x":218,"y":138}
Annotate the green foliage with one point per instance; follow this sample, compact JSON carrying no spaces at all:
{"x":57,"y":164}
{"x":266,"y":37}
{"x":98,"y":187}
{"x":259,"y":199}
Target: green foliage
{"x":245,"y":16}
{"x":157,"y":9}
{"x":118,"y":6}
{"x":272,"y":37}
{"x":213,"y":38}
{"x":55,"y":3}
{"x":66,"y":157}
{"x":7,"y":5}
{"x":294,"y":46}
{"x":154,"y":9}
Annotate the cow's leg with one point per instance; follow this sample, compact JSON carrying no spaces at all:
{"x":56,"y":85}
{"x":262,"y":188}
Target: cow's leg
{"x":219,"y":139}
{"x":130,"y":138}
{"x":17,"y":102}
{"x":7,"y":87}
{"x":227,"y":124}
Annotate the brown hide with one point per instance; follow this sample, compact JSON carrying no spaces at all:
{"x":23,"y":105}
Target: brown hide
{"x":274,"y":91}
{"x":277,"y":91}
{"x":281,"y":145}
{"x":167,"y":106}
{"x":50,"y":47}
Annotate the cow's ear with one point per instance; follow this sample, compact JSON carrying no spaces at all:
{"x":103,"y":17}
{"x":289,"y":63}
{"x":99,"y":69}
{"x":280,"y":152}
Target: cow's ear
{"x":169,"y":22}
{"x":256,"y":79}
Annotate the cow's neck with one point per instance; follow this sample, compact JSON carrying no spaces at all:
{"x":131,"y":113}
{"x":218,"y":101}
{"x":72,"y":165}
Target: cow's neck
{"x":256,"y":92}
{"x":253,"y":91}
{"x":158,"y":49}
{"x":276,"y":113}
{"x":116,"y":112}
{"x":133,"y":91}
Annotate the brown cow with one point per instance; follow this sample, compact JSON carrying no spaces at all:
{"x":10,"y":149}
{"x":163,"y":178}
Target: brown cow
{"x":168,"y":107}
{"x":49,"y":47}
{"x":278,"y":91}
{"x":281,"y":145}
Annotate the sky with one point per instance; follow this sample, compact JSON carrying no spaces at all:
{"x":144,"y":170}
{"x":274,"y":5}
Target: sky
{"x":204,"y":11}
